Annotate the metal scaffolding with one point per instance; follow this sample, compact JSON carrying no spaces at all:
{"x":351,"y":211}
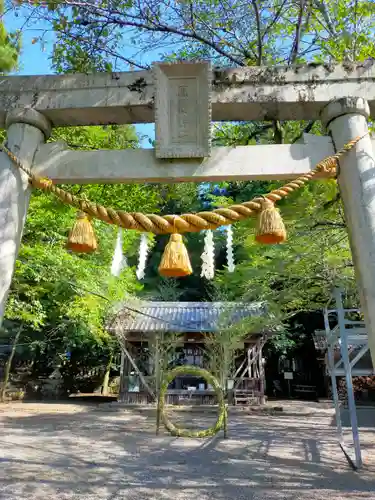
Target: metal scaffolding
{"x":346,"y":338}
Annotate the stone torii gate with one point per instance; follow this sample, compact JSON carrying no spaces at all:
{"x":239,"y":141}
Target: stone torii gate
{"x":182,"y":99}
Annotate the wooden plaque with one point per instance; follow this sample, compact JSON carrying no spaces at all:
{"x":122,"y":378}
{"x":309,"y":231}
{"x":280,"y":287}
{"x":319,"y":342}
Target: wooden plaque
{"x":182,"y":110}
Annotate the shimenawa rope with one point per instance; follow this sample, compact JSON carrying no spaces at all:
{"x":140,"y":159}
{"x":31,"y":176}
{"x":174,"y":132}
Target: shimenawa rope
{"x":185,"y":223}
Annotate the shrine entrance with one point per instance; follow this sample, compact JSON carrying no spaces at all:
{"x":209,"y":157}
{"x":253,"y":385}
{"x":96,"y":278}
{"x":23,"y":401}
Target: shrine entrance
{"x":183,"y":99}
{"x":186,"y":330}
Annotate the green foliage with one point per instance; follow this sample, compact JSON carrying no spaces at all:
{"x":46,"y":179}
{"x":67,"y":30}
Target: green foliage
{"x":91,"y":138}
{"x":59,"y":295}
{"x":10,"y":46}
{"x":93,"y":36}
{"x":297,"y":276}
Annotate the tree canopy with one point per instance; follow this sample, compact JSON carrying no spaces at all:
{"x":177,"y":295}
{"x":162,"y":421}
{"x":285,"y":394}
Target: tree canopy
{"x":49,"y":290}
{"x":10,"y":44}
{"x":57,"y":294}
{"x":113,"y":35}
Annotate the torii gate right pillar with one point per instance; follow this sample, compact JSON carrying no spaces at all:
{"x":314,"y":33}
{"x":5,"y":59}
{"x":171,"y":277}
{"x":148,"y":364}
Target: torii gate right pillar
{"x":346,"y":119}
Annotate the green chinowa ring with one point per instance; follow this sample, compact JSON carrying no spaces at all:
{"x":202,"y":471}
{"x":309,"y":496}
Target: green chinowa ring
{"x":210,"y":379}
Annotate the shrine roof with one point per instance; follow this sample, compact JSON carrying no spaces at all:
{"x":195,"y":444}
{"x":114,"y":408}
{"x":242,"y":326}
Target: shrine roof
{"x":185,"y":316}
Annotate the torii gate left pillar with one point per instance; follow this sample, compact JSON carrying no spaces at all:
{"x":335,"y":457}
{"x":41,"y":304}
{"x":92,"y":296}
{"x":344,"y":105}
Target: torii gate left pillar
{"x":26,"y":130}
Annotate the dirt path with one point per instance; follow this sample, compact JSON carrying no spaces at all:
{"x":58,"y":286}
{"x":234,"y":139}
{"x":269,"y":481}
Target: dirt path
{"x":66,"y":452}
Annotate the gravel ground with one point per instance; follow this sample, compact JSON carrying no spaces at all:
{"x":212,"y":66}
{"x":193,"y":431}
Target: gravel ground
{"x":66,"y":452}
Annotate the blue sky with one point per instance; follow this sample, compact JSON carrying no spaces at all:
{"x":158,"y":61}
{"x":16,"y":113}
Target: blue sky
{"x":35,"y":61}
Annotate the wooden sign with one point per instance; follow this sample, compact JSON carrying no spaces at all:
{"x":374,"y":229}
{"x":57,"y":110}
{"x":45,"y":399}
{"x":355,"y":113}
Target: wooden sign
{"x":182,"y":110}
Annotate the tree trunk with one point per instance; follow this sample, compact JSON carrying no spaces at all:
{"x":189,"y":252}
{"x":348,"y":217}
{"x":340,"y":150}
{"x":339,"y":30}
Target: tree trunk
{"x":262,"y":378}
{"x":225,"y":426}
{"x":106,"y":376}
{"x":158,"y":414}
{"x":157,"y":380}
{"x":8,"y":364}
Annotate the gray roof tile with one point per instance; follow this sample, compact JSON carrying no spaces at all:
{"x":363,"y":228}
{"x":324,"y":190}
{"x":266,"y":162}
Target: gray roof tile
{"x":186,"y":316}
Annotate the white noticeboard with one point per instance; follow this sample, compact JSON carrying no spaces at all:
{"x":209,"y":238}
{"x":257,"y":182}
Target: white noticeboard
{"x":288,"y":375}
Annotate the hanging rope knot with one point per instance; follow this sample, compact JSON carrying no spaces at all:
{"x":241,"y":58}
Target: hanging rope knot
{"x":175,"y":262}
{"x":266,"y":203}
{"x":83,"y":216}
{"x":41,"y":183}
{"x":270,"y":227}
{"x":329,"y":165}
{"x":82,"y":236}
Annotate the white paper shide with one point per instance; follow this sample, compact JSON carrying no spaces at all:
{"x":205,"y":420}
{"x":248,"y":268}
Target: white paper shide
{"x":208,"y":256}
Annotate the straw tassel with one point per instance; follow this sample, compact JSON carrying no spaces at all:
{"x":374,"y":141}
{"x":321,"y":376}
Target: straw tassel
{"x":82,"y":236}
{"x":175,"y":262}
{"x":270,"y":227}
{"x":41,"y":182}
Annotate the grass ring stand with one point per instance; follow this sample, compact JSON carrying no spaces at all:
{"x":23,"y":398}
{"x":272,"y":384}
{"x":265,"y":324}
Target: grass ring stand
{"x":210,"y":379}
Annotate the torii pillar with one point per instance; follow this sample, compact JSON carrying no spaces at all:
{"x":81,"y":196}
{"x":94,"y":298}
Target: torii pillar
{"x":26,"y":130}
{"x":346,"y":119}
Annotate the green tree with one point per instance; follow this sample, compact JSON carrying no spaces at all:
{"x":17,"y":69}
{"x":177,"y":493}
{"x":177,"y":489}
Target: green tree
{"x":294,"y":277}
{"x":227,"y":31}
{"x":10,"y":45}
{"x":56,"y":294}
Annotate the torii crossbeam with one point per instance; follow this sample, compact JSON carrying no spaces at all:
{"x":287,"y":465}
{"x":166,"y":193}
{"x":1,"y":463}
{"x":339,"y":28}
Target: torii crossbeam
{"x":343,"y":97}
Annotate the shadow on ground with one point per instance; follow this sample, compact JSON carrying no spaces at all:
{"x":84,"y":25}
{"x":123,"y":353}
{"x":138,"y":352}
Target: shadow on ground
{"x":94,"y":454}
{"x":365,"y":417}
